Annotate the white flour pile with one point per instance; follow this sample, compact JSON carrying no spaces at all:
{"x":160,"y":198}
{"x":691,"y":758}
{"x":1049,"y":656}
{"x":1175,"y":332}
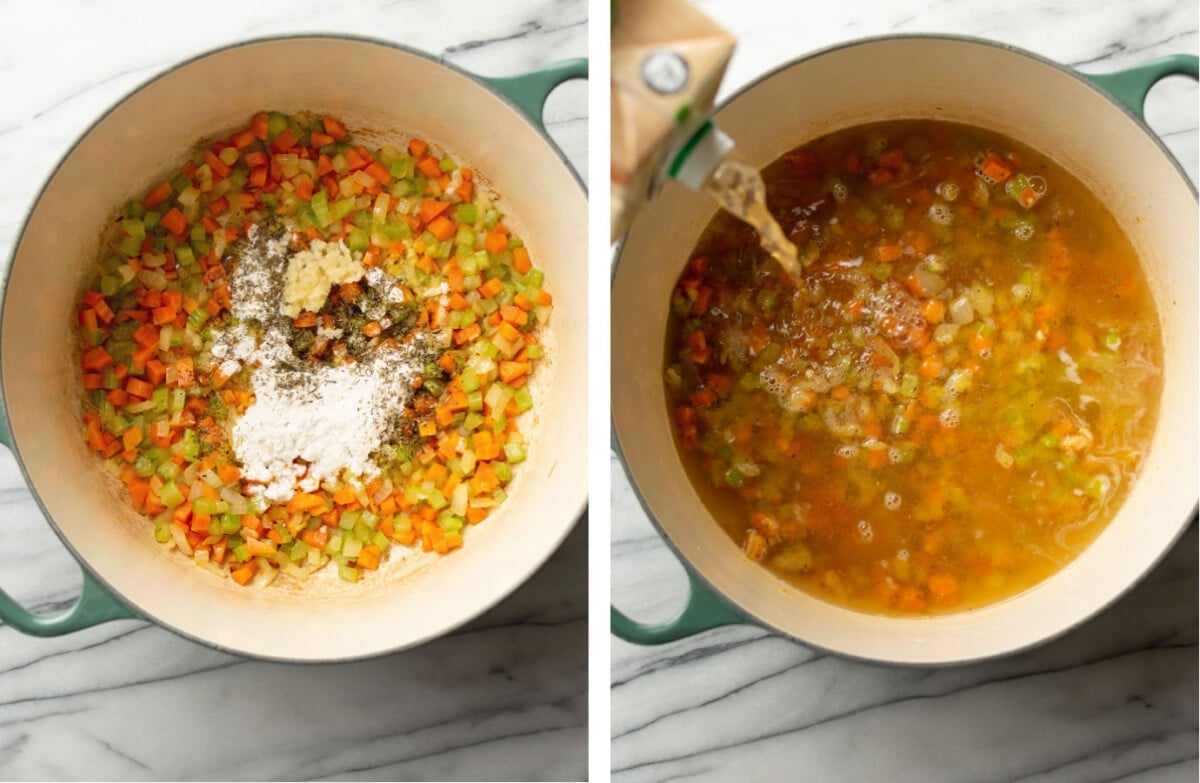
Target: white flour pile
{"x":309,"y":422}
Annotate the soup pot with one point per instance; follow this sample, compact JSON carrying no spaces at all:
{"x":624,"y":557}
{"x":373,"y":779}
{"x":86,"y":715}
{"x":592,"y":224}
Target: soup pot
{"x":379,"y":90}
{"x":1092,"y":125}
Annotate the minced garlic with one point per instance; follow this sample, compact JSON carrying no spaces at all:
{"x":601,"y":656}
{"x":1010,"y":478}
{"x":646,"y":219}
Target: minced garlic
{"x":313,"y":272}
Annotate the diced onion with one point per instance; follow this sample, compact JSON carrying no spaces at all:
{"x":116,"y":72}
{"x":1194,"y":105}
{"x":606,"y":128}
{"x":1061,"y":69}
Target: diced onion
{"x":181,"y":540}
{"x":961,"y":311}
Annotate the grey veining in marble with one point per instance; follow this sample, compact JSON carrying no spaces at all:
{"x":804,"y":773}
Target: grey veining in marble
{"x":502,"y":698}
{"x":1114,"y":700}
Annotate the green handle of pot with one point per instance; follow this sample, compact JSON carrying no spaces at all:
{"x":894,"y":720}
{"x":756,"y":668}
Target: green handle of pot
{"x":530,"y":90}
{"x":95,"y":605}
{"x":1131,"y":85}
{"x":703,"y":611}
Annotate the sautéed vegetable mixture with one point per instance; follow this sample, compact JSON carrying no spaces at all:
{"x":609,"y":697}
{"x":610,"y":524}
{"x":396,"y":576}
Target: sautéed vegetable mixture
{"x":297,"y":351}
{"x":956,"y":398}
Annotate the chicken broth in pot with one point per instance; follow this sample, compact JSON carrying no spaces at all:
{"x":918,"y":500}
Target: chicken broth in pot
{"x":956,"y":397}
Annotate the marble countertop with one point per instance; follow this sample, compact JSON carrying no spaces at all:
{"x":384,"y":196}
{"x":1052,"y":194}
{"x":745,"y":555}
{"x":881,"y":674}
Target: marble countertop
{"x":1116,"y":699}
{"x":505,"y":697}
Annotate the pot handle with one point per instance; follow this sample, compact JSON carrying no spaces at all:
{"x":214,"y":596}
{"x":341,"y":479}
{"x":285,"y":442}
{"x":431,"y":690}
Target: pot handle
{"x":1129,"y":86}
{"x":96,"y":604}
{"x":703,"y":611}
{"x":530,"y":90}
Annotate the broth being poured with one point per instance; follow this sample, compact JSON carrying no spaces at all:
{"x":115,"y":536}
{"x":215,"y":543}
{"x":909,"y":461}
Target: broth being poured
{"x":738,"y":187}
{"x":956,"y":397}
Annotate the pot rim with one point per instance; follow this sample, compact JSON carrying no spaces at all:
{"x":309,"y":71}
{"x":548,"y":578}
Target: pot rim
{"x":576,"y":513}
{"x":751,"y":617}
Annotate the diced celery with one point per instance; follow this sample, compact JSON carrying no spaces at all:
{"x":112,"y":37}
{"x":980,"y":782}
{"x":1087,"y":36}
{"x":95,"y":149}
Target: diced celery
{"x":160,"y":399}
{"x":472,"y":421}
{"x":369,"y":518}
{"x":351,"y":547}
{"x":230,"y":523}
{"x":362,"y":532}
{"x":191,"y":445}
{"x":143,"y":466}
{"x":349,"y":573}
{"x":208,"y":506}
{"x":334,"y":545}
{"x":503,"y":471}
{"x":162,"y":532}
{"x":349,"y":519}
{"x":358,"y":239}
{"x":380,"y":540}
{"x":523,"y":398}
{"x":466,"y":213}
{"x":168,"y":470}
{"x":170,"y":494}
{"x":437,"y":500}
{"x":276,"y":124}
{"x":447,"y":164}
{"x":319,"y":204}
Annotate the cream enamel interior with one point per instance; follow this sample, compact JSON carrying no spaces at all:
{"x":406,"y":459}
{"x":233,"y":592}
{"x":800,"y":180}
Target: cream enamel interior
{"x":371,"y":86}
{"x":962,"y":81}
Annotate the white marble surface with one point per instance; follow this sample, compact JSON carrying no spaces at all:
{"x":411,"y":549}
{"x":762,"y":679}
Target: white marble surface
{"x":1116,"y":699}
{"x":503,"y":698}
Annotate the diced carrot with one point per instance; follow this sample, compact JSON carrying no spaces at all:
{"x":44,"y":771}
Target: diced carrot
{"x":228,"y":473}
{"x":510,"y":371}
{"x":431,"y":208}
{"x":138,"y":388}
{"x":174,"y":221}
{"x":96,"y":359}
{"x":245,"y":572}
{"x":521,"y":261}
{"x":258,"y":125}
{"x":316,"y":538}
{"x":942,"y":586}
{"x":304,"y":187}
{"x":430,"y":167}
{"x":994,"y":168}
{"x":242,"y":140}
{"x":284,"y":141}
{"x":491,"y":287}
{"x":131,"y":437}
{"x":334,"y":128}
{"x":508,"y":331}
{"x":443,"y":228}
{"x":933,"y":311}
{"x":931,"y":367}
{"x":379,"y":173}
{"x":417,"y":148}
{"x":157,"y":195}
{"x":368,"y":557}
{"x":514,"y":315}
{"x":496,"y":240}
{"x":889,"y":252}
{"x":216,"y":164}
{"x":156,"y":371}
{"x":257,"y":547}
